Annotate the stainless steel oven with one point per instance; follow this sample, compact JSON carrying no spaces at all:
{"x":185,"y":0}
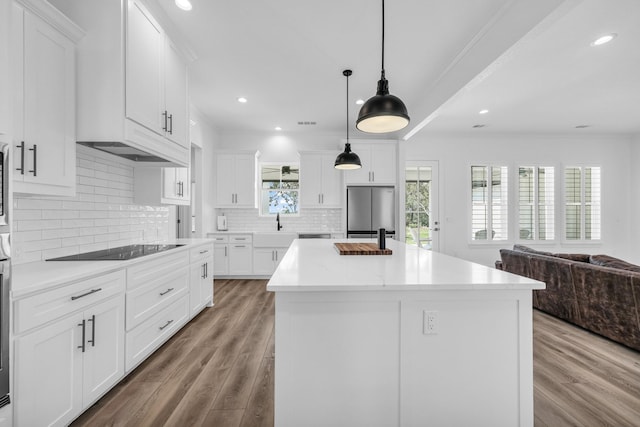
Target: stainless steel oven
{"x":5,"y":274}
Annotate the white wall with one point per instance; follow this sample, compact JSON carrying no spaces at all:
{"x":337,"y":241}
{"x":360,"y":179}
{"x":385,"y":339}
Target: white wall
{"x":456,"y":154}
{"x":634,"y":196}
{"x":277,"y":146}
{"x":207,"y":137}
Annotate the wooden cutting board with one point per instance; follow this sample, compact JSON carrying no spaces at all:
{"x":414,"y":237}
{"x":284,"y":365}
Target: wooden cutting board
{"x":361,"y":249}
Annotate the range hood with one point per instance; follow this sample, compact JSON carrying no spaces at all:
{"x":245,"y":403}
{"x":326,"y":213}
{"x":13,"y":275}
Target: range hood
{"x":123,"y":150}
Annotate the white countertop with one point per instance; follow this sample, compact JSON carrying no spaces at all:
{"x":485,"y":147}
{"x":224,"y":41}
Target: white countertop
{"x":37,"y":276}
{"x":316,"y":265}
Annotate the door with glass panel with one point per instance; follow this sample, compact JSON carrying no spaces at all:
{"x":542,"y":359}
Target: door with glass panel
{"x":421,"y":204}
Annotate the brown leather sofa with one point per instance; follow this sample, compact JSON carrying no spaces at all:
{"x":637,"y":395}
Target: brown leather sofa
{"x":596,"y":292}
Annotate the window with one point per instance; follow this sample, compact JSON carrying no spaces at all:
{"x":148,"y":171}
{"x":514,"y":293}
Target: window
{"x":280,"y":189}
{"x":582,"y":203}
{"x":536,"y":203}
{"x":489,"y":201}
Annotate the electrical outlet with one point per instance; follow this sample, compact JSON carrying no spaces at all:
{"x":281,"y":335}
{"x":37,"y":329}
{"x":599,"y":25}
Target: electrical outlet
{"x":429,"y":322}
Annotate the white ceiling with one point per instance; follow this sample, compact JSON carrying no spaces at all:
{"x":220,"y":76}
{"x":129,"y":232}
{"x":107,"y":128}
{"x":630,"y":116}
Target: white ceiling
{"x":528,"y":62}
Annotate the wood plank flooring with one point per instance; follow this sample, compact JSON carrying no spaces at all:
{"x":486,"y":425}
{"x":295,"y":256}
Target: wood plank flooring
{"x":582,"y":379}
{"x":218,"y":371}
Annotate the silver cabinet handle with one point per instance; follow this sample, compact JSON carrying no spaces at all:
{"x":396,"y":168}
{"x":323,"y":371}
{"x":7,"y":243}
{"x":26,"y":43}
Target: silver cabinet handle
{"x":225,"y":251}
{"x":34,"y":171}
{"x":204,"y":252}
{"x":166,"y":324}
{"x":204,"y":274}
{"x":93,"y":331}
{"x":21,"y":168}
{"x":166,"y":292}
{"x":164,"y":128}
{"x":170,"y":124}
{"x":84,"y":326}
{"x":92,"y":291}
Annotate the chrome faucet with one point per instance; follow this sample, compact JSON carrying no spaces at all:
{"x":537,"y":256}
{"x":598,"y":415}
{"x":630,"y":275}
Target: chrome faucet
{"x":278,"y":221}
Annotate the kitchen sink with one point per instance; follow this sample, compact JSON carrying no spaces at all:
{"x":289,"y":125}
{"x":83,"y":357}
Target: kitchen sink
{"x":274,"y":239}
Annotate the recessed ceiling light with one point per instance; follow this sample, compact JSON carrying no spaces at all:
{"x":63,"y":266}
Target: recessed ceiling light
{"x":603,"y":39}
{"x":184,"y":4}
{"x":242,"y":100}
{"x":278,"y":128}
{"x":483,"y":111}
{"x":360,"y":102}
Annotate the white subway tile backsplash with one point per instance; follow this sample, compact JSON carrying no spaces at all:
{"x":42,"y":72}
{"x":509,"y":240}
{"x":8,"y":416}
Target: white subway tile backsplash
{"x":329,"y":220}
{"x":101,"y":215}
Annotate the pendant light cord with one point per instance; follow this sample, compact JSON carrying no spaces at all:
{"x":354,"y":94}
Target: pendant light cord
{"x":347,"y":75}
{"x":382,"y":38}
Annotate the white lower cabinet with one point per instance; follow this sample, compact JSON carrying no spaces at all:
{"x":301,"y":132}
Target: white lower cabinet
{"x":65,"y":365}
{"x":233,"y":254}
{"x":157,"y":304}
{"x":201,"y":278}
{"x":143,"y":340}
{"x":240,"y":258}
{"x":266,"y":260}
{"x":221,"y":259}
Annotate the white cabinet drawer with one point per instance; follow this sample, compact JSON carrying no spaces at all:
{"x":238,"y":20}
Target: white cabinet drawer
{"x":143,"y":340}
{"x":148,"y":298}
{"x":201,"y":252}
{"x":220,"y":239}
{"x":47,"y":306}
{"x":155,"y":270}
{"x":241,"y":238}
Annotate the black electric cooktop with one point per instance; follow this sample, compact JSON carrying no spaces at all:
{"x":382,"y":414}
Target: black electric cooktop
{"x":117,"y":254}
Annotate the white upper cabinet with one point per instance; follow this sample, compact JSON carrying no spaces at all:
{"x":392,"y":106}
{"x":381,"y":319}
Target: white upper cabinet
{"x":156,"y":78}
{"x":44,"y":100}
{"x":132,"y":80}
{"x":320,"y":181}
{"x":378,"y":164}
{"x":144,"y":65}
{"x":176,"y":102}
{"x":161,"y":186}
{"x":5,"y":75}
{"x":235,"y":180}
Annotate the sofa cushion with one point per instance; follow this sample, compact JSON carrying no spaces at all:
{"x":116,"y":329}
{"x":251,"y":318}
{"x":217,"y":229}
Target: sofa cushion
{"x":514,"y":262}
{"x":574,"y":257}
{"x":523,"y":248}
{"x":611,"y":262}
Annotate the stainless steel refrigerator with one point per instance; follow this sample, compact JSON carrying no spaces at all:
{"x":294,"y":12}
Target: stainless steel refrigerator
{"x":369,"y":209}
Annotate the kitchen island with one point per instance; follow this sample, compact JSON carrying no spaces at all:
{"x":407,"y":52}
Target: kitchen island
{"x":410,"y":339}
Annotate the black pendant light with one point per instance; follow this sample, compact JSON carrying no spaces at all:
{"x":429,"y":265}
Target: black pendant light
{"x":382,"y":112}
{"x":347,"y":160}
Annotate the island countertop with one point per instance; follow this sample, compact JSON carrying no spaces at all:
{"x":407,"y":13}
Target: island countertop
{"x":316,"y":265}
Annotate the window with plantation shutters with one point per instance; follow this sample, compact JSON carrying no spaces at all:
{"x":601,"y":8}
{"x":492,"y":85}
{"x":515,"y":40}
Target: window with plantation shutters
{"x":536,"y":203}
{"x":489,"y":203}
{"x":582,"y":203}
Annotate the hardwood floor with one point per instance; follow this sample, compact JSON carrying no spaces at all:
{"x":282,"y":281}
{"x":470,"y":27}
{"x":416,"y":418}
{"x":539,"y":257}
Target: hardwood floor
{"x":218,"y":371}
{"x":582,"y":379}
